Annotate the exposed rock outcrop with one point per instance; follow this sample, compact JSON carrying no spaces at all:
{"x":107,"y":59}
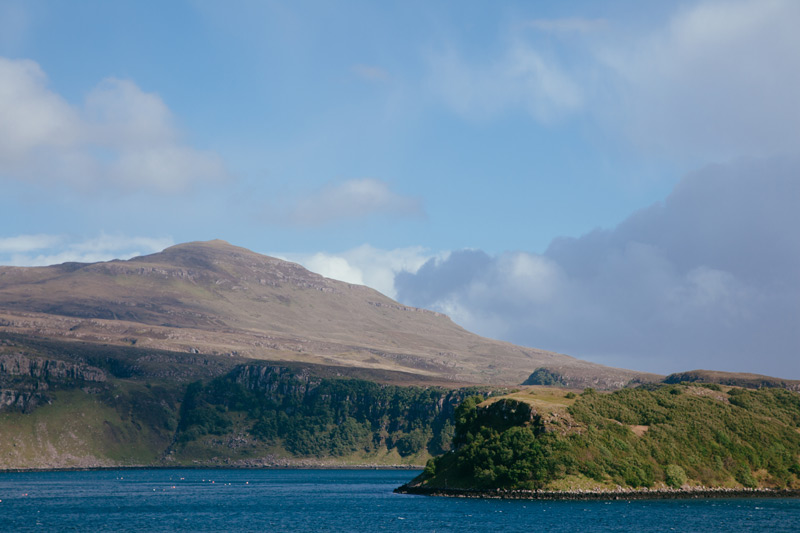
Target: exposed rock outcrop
{"x":275,"y":379}
{"x":24,"y":379}
{"x":17,"y":364}
{"x":21,"y":400}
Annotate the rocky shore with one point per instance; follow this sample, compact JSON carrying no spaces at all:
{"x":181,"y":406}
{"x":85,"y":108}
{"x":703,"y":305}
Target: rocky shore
{"x":614,"y":494}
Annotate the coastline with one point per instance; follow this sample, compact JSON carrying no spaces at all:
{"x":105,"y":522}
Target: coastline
{"x":619,"y":494}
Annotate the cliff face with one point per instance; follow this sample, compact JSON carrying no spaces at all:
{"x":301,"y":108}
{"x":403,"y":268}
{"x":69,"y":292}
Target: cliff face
{"x":275,"y":381}
{"x":24,"y":379}
{"x":20,"y":400}
{"x":257,"y":409}
{"x":18,"y":364}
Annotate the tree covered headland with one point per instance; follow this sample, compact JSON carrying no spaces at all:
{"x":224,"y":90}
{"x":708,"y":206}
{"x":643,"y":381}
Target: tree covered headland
{"x":645,"y":437}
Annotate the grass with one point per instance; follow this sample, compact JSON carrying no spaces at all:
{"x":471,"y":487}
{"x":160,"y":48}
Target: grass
{"x":76,"y":430}
{"x":542,"y":398}
{"x":550,"y":402}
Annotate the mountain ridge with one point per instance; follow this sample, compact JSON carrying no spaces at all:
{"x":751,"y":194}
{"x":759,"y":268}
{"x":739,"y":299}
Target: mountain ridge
{"x":216,"y":298}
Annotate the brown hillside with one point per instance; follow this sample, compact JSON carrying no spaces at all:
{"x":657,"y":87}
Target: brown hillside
{"x":215,"y":298}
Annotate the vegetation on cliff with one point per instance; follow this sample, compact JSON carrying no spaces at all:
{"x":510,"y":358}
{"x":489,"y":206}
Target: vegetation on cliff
{"x":69,"y":404}
{"x":645,"y":437}
{"x":270,"y":407}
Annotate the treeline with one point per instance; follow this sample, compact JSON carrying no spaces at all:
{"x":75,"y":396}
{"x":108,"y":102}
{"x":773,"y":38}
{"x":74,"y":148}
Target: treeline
{"x":699,"y":435}
{"x":317,"y":417}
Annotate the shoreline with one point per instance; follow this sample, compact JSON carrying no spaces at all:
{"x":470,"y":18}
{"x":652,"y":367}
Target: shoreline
{"x":621,"y":494}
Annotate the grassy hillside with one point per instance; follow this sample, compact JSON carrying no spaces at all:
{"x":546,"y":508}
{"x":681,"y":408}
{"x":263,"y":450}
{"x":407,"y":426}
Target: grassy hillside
{"x":66,"y":404}
{"x":653,"y":436}
{"x":121,"y":426}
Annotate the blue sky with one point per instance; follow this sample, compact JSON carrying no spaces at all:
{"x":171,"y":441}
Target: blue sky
{"x":472,"y":157}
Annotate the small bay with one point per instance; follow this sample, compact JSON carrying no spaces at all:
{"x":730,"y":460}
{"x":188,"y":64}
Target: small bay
{"x":337,"y":500}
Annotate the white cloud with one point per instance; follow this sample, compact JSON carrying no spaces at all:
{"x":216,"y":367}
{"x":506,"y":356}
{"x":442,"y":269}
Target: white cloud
{"x":43,"y":250}
{"x":364,"y":265}
{"x":31,"y":116}
{"x":121,"y":138}
{"x":27,"y":243}
{"x":522,"y":78}
{"x":710,"y":278}
{"x":348,"y":200}
{"x":334,"y":267}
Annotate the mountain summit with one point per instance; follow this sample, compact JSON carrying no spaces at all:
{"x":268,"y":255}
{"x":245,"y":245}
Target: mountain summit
{"x":215,"y":298}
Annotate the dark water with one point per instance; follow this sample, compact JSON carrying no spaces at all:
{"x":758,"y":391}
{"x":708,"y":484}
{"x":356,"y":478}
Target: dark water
{"x":337,"y":500}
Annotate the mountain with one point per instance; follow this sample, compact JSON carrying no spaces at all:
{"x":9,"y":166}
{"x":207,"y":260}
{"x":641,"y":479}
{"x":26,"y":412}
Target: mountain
{"x":221,"y":300}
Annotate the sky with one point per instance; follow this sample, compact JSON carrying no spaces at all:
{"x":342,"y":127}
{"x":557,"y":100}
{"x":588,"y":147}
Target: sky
{"x":615,"y":180}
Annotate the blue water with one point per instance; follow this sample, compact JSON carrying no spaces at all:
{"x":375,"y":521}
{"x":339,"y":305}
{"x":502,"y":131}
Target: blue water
{"x":337,"y":500}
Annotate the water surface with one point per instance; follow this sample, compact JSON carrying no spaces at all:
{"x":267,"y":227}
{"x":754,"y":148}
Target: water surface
{"x":338,"y":500}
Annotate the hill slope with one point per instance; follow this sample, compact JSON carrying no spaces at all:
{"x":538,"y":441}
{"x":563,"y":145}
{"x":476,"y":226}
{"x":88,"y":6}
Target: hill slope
{"x":218,"y":299}
{"x":646,"y":437}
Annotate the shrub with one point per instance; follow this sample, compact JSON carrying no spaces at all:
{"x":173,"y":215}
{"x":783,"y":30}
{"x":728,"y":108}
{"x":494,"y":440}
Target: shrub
{"x":745,"y":477}
{"x":544,"y":376}
{"x":675,"y":476}
{"x":430,"y":468}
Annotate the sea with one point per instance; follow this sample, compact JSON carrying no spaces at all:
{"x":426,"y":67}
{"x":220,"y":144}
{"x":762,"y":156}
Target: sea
{"x":338,"y":500}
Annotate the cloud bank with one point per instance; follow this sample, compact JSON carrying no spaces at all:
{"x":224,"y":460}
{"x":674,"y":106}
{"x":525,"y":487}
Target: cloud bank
{"x":721,"y":79}
{"x":716,"y":81}
{"x":709,"y":278}
{"x":121,"y":138}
